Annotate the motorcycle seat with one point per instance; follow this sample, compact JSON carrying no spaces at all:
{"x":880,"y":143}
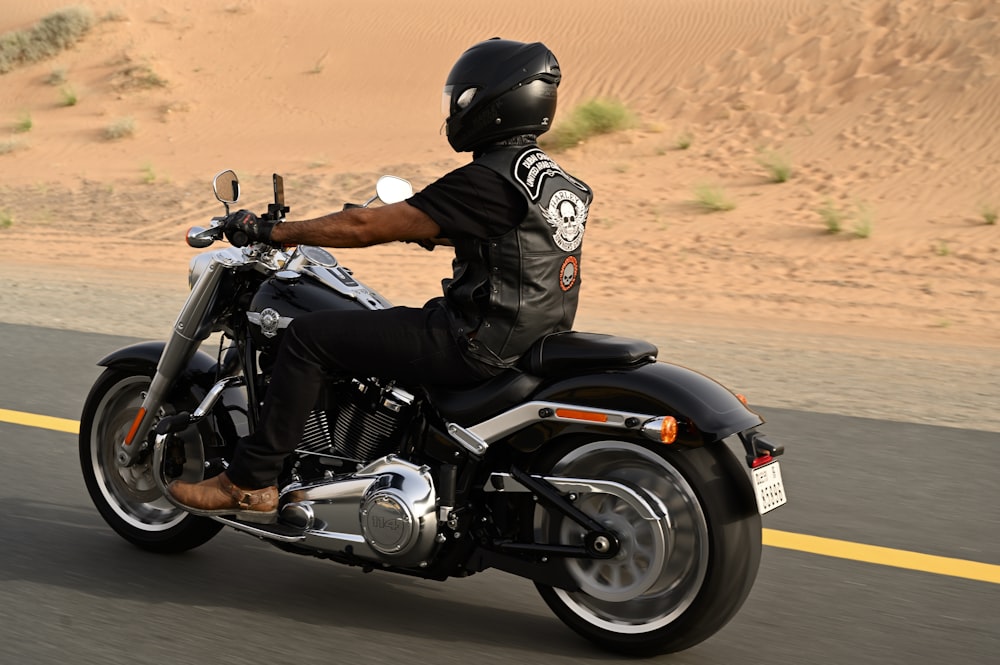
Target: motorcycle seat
{"x":571,"y":353}
{"x":556,"y":355}
{"x":468,"y":406}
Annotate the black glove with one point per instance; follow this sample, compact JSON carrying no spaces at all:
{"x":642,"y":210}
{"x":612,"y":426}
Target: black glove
{"x":243,"y":227}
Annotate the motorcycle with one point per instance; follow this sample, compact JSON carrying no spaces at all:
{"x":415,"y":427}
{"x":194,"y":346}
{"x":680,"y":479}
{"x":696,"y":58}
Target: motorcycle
{"x":611,"y":480}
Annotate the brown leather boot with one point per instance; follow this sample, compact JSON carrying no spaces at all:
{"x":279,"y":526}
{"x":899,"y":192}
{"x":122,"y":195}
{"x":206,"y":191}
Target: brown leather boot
{"x":219,"y":496}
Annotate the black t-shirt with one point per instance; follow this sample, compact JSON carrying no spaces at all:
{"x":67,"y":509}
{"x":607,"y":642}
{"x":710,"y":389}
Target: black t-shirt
{"x":471,"y":201}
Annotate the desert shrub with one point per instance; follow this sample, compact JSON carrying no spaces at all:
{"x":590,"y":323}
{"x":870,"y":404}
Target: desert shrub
{"x":864,"y":222}
{"x":989,"y":213}
{"x":137,"y":76}
{"x":778,"y":165}
{"x":10,"y":145}
{"x":119,"y":129}
{"x":833,"y":218}
{"x":57,"y":76}
{"x":50,"y":36}
{"x":712,"y":199}
{"x":24,"y":123}
{"x":69,"y":97}
{"x":598,"y":116}
{"x":862,"y":216}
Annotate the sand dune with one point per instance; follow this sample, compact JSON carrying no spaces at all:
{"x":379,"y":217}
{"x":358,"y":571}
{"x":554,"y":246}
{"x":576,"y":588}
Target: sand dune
{"x":886,"y":110}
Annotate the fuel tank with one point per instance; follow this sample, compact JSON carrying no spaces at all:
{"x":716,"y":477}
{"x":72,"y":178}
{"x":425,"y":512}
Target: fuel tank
{"x":288,"y":295}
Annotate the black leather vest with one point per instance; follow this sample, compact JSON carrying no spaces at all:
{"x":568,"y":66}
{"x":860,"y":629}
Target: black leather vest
{"x":508,"y":291}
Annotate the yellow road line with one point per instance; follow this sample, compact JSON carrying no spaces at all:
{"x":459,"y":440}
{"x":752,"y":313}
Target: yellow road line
{"x":841,"y":549}
{"x":41,"y":422}
{"x":883,"y":556}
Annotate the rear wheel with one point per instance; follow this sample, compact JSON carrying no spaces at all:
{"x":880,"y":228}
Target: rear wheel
{"x":674,"y":582}
{"x":128,"y":498}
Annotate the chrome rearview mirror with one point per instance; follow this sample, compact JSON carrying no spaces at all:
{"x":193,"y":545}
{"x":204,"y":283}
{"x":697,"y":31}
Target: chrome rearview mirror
{"x":226,"y":187}
{"x":197,"y":238}
{"x":391,"y":189}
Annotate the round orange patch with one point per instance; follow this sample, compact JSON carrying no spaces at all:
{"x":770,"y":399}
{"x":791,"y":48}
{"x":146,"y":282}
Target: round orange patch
{"x":567,"y":274}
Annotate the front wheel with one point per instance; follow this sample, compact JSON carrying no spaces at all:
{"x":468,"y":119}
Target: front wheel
{"x":674,"y":582}
{"x":128,"y":498}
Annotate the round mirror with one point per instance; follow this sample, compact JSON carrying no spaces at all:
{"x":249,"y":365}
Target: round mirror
{"x":227,"y":186}
{"x":391,"y":189}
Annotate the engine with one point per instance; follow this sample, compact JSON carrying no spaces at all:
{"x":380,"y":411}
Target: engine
{"x":386,"y":512}
{"x":357,"y":422}
{"x":354,"y":493}
{"x":399,"y":511}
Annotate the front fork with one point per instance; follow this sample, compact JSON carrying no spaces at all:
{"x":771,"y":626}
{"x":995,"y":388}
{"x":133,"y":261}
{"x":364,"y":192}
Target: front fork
{"x":188,"y":334}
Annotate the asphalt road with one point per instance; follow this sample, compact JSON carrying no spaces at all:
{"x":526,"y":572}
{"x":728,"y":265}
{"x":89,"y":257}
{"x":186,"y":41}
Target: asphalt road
{"x":72,"y":591}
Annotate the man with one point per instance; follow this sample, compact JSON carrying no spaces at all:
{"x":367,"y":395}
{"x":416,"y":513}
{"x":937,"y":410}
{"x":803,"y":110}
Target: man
{"x":516,"y":221}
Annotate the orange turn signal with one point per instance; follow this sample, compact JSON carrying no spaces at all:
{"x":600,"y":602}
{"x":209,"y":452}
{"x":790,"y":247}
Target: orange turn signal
{"x":742,"y":399}
{"x":661,"y":430}
{"x":668,"y":430}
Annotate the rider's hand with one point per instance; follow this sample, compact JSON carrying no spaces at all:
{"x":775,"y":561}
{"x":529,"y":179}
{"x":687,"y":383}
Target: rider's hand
{"x":426,"y":244}
{"x":430,"y":243}
{"x":243,"y":227}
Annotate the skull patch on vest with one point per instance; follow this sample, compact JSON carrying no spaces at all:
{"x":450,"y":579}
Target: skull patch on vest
{"x":567,"y":214}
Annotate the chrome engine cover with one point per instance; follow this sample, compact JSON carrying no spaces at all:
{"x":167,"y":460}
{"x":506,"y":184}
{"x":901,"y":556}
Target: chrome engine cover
{"x":386,"y":513}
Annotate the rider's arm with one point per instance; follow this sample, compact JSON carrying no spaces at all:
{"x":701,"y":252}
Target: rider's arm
{"x":359,"y":227}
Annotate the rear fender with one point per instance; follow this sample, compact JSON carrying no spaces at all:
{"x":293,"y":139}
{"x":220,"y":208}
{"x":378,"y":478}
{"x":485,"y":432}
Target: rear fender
{"x":659,"y":389}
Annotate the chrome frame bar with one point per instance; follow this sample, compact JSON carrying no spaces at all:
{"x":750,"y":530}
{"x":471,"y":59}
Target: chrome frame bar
{"x":649,"y":507}
{"x":521,"y":416}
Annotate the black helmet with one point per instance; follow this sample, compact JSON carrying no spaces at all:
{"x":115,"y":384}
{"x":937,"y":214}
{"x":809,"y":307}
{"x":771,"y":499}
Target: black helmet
{"x":498,"y":89}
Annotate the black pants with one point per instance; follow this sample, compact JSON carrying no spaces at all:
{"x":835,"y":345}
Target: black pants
{"x":412,"y":346}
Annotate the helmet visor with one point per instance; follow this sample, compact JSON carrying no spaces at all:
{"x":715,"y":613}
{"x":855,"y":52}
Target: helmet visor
{"x":446,"y":101}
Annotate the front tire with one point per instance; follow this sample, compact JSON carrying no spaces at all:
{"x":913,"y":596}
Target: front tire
{"x":658,"y":595}
{"x":128,"y":498}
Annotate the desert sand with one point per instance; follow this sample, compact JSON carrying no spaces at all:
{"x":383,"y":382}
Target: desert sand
{"x":886,"y":111}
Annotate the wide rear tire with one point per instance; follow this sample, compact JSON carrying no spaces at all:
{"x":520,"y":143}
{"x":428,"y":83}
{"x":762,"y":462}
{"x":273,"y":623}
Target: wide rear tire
{"x":129,"y":499}
{"x":659,"y":595}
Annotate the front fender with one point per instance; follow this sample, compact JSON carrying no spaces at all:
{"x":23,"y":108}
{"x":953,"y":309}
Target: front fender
{"x":197,"y":378}
{"x":659,"y":389}
{"x":146,"y":354}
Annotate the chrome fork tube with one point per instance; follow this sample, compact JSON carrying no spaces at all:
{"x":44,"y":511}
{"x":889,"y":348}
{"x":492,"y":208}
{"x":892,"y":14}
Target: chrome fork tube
{"x":188,"y":334}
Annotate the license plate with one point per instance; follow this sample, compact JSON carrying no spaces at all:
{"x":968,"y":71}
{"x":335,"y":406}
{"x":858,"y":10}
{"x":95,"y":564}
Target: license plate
{"x":768,"y":487}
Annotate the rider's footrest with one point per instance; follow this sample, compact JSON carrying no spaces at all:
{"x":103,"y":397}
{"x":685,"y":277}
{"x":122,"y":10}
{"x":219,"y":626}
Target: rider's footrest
{"x":277,"y":531}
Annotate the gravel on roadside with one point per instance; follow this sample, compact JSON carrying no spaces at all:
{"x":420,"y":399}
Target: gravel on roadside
{"x":910,"y":380}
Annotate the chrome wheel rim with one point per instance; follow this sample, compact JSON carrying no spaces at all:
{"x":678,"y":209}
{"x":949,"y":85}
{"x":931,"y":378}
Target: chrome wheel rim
{"x":661,"y":565}
{"x":131,"y":492}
